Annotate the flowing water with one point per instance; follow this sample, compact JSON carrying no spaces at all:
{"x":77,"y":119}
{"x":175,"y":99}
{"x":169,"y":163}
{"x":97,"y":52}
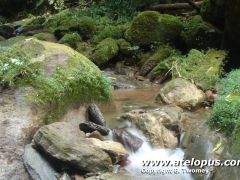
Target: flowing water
{"x":124,"y":101}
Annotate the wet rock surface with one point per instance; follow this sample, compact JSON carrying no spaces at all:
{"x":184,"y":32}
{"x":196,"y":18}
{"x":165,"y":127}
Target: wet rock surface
{"x":130,"y":141}
{"x":150,"y":123}
{"x":202,"y":143}
{"x":67,"y":143}
{"x":37,"y":166}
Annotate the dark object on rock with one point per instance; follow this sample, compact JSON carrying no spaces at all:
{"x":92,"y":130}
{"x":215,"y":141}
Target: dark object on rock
{"x":89,"y":127}
{"x":6,"y":31}
{"x":95,"y":115}
{"x":129,"y":141}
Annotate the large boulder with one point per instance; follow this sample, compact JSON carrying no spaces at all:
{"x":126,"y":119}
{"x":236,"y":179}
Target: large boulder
{"x":67,"y":144}
{"x":58,"y":74}
{"x":115,"y":150}
{"x":152,"y":124}
{"x":151,"y":27}
{"x":182,"y":93}
{"x":37,"y":166}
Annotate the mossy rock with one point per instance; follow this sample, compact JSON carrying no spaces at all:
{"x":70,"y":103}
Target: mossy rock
{"x":152,"y":27}
{"x":200,"y":34}
{"x":71,"y":39}
{"x":44,"y":36}
{"x":59,"y":75}
{"x":84,"y":48}
{"x":71,"y":20}
{"x":105,"y":51}
{"x":124,"y":46}
{"x":159,"y":55}
{"x":87,"y":27}
{"x":110,"y":31}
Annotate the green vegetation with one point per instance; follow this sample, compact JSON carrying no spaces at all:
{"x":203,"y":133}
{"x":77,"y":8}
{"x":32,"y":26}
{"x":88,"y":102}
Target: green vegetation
{"x":72,"y":19}
{"x":71,"y":39}
{"x":110,"y":31}
{"x":105,"y":51}
{"x":162,"y":53}
{"x":204,"y":69}
{"x":26,"y":64}
{"x":226,"y":110}
{"x":200,"y":34}
{"x":45,"y":37}
{"x":229,"y":84}
{"x":152,"y":27}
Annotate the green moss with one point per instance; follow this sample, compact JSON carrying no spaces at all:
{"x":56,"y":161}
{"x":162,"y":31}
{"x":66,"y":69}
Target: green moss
{"x":71,"y":20}
{"x":86,"y":27}
{"x":71,"y":39}
{"x":110,"y":31}
{"x":59,"y":75}
{"x":160,"y":55}
{"x":200,"y":34}
{"x":84,"y":48}
{"x":105,"y":51}
{"x":204,"y":69}
{"x":45,"y":37}
{"x":150,"y":27}
{"x":124,"y":46}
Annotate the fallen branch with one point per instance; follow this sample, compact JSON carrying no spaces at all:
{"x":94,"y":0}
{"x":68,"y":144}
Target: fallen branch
{"x":175,"y":6}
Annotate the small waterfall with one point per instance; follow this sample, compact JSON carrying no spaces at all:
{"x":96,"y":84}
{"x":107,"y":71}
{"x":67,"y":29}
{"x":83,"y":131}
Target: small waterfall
{"x":148,"y":153}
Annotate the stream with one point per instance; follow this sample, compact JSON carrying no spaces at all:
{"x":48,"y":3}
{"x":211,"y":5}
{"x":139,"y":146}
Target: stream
{"x":125,"y":100}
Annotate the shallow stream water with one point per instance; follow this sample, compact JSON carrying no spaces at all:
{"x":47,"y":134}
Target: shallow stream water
{"x":125,"y":100}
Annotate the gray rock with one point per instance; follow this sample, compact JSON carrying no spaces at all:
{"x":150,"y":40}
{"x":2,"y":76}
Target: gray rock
{"x":37,"y":167}
{"x":65,"y":142}
{"x":151,"y":124}
{"x":181,"y":93}
{"x":89,"y":127}
{"x":131,"y":142}
{"x":95,"y":115}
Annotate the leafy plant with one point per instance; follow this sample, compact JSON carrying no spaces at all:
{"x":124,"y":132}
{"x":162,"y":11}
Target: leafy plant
{"x":226,"y":110}
{"x":226,"y":113}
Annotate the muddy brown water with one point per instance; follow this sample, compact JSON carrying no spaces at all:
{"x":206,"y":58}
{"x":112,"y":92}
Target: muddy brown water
{"x":125,"y":100}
